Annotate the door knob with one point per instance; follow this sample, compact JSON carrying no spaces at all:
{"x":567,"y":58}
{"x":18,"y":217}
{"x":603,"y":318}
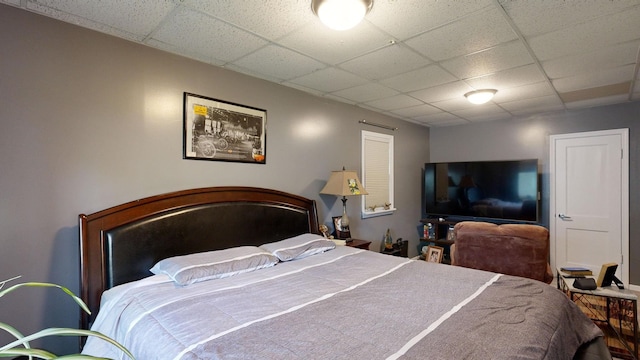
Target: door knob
{"x":564,"y":217}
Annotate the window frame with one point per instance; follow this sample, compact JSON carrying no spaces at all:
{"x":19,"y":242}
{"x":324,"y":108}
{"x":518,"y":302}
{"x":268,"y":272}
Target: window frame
{"x":379,"y":210}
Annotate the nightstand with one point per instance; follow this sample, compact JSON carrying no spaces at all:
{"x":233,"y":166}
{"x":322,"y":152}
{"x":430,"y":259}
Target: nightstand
{"x":400,"y":248}
{"x":360,"y":244}
{"x":394,"y":252}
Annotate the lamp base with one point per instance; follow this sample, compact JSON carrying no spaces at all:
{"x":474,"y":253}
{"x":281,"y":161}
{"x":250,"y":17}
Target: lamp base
{"x":345,"y":219}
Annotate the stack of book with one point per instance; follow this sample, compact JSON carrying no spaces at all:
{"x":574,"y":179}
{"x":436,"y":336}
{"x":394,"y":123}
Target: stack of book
{"x":576,"y":271}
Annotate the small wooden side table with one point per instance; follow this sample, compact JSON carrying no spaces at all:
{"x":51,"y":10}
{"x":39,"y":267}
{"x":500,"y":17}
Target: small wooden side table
{"x":623,"y":323}
{"x":360,"y":244}
{"x":400,"y":248}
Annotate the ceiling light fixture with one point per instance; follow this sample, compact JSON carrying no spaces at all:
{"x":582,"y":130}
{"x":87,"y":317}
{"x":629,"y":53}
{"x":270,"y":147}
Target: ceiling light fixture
{"x":480,"y":96}
{"x":341,"y":14}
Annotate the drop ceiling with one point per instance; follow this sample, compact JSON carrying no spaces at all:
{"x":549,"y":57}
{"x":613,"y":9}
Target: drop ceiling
{"x":409,"y":59}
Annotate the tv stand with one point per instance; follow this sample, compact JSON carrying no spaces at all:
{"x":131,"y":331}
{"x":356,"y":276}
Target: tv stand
{"x":441,"y":228}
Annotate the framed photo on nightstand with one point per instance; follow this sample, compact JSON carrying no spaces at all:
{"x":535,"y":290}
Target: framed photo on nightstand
{"x":342,"y":232}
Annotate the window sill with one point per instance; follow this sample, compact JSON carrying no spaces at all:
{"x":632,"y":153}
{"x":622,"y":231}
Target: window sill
{"x":370,"y":214}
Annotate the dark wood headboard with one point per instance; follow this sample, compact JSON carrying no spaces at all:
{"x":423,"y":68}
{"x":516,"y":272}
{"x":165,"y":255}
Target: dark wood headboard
{"x":121,"y":244}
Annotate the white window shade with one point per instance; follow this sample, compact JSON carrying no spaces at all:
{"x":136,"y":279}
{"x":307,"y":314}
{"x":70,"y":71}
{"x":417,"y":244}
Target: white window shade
{"x":377,"y":174}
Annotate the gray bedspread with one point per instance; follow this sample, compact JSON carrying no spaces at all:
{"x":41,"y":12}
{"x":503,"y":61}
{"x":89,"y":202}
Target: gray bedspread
{"x":344,"y":304}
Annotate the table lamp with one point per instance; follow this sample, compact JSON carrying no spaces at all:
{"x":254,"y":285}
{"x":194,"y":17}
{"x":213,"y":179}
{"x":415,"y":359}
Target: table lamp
{"x":344,"y":183}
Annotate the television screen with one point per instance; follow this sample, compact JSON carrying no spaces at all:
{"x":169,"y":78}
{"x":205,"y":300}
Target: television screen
{"x":497,"y":190}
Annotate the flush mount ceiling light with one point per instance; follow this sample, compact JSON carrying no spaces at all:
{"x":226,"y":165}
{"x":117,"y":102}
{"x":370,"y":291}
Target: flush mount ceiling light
{"x":341,"y":14}
{"x":480,"y":96}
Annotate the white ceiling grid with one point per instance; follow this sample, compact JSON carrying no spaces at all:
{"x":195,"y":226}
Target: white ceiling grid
{"x":410,"y":59}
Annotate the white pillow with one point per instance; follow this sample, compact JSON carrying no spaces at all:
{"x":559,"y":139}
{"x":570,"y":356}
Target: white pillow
{"x":299,"y":246}
{"x":192,"y":268}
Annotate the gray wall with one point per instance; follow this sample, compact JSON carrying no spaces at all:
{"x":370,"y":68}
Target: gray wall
{"x":528,"y":138}
{"x":89,"y":121}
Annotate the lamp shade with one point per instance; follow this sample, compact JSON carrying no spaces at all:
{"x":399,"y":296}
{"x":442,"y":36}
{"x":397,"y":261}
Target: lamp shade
{"x":344,"y":183}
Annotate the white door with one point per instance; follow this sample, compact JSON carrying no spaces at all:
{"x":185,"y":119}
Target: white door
{"x":589,"y":209}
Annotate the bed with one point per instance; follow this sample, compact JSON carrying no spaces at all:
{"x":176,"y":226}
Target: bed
{"x":243,"y":273}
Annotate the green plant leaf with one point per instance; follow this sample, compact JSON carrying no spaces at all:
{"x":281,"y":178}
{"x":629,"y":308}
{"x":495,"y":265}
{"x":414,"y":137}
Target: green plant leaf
{"x":64,"y":332}
{"x":39,"y":284}
{"x":42,"y":354}
{"x":80,"y":357}
{"x":37,"y":353}
{"x":13,"y":331}
{"x":6,"y":281}
{"x":21,"y":346}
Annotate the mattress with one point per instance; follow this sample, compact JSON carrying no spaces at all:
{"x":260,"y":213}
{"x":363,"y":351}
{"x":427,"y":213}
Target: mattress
{"x":345,"y":303}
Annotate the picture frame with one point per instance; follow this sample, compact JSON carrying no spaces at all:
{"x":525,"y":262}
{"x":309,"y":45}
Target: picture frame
{"x":434,"y":254}
{"x":607,"y":274}
{"x":324,"y":229}
{"x":219,"y":130}
{"x":340,"y":231}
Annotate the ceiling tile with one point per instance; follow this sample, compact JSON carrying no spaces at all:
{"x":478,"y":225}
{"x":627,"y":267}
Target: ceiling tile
{"x":487,"y":112}
{"x":279,"y":62}
{"x":309,"y":90}
{"x":523,"y":75}
{"x":339,"y":99}
{"x":409,"y":59}
{"x":206,"y":58}
{"x":592,"y":61}
{"x":471,"y":34}
{"x":386,"y":62}
{"x":334,"y":47}
{"x":329,"y":79}
{"x":442,"y":92}
{"x":457,"y":103}
{"x":207,"y":36}
{"x":395,"y":102}
{"x":498,"y":58}
{"x":526,"y":106}
{"x":537,"y":17}
{"x":419,"y":79}
{"x":522,"y":92}
{"x":442,"y":119}
{"x":262,"y":75}
{"x":135,"y":17}
{"x":584,"y":37}
{"x":406,"y":18}
{"x":596,"y":92}
{"x":590,"y":80}
{"x":367,"y":92}
{"x":598,"y":102}
{"x":413,"y":111}
{"x":283,"y":17}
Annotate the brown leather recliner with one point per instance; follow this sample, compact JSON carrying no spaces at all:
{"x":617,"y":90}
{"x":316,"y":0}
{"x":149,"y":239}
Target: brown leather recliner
{"x":512,"y":249}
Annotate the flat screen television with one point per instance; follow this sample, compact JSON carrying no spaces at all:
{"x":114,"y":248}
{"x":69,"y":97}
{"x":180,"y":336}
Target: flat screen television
{"x":498,"y":191}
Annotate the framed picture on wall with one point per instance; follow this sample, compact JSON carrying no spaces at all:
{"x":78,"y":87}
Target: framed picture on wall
{"x":223,"y":131}
{"x":341,"y":232}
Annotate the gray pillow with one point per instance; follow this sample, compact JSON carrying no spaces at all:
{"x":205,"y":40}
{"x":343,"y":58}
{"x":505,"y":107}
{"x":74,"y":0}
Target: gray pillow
{"x":192,"y":268}
{"x":298,"y":247}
